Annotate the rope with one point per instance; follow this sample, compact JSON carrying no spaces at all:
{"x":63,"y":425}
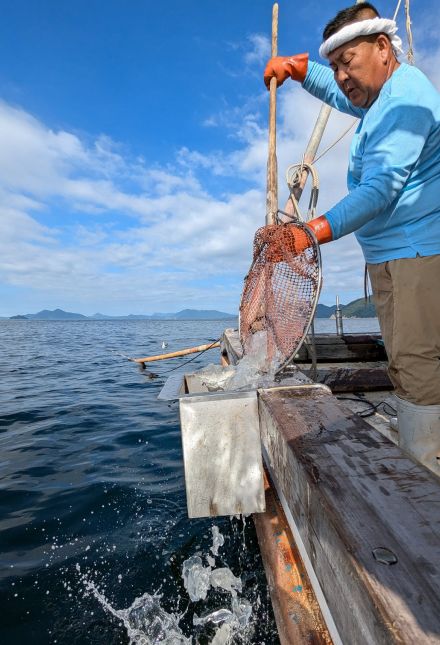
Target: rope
{"x":410,"y":53}
{"x":311,"y":345}
{"x":397,"y":10}
{"x":372,"y":407}
{"x":353,"y":123}
{"x":191,"y":359}
{"x":294,"y":175}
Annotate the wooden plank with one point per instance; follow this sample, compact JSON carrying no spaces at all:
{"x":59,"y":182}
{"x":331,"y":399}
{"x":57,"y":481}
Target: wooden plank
{"x":351,"y":491}
{"x":297,"y":613}
{"x":329,"y":348}
{"x":350,"y":379}
{"x":349,"y":347}
{"x":346,"y":339}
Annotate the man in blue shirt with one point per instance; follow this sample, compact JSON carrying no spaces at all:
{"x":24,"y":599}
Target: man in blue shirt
{"x":393,"y":204}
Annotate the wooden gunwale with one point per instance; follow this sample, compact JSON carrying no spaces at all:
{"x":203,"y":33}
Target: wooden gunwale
{"x":298,"y":614}
{"x":351,"y":490}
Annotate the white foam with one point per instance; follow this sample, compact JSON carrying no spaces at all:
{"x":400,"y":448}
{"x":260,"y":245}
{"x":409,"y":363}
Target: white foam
{"x":217,"y":540}
{"x":147,"y":623}
{"x":196,"y":578}
{"x":223,"y":578}
{"x":145,"y":620}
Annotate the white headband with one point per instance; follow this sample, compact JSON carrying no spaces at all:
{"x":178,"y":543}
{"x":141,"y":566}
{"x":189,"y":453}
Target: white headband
{"x":362,"y":28}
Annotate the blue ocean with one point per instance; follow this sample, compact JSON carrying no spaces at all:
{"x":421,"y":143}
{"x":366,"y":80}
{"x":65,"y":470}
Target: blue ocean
{"x":94,"y":533}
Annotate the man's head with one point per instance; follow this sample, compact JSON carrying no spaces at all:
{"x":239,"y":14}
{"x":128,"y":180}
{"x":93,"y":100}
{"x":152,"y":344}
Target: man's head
{"x":355,"y":13}
{"x":362,"y":62}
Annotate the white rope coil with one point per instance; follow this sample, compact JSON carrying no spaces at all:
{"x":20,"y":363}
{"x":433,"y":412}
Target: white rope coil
{"x":410,"y":53}
{"x":294,"y":175}
{"x":363,"y":28}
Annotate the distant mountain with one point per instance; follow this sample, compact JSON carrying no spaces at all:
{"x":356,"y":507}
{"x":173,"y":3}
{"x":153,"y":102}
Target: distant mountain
{"x":185,"y":314}
{"x":56,"y":314}
{"x":358,"y":309}
{"x":138,"y":317}
{"x":196,"y":314}
{"x":355,"y":309}
{"x":323,"y":311}
{"x":129,"y":317}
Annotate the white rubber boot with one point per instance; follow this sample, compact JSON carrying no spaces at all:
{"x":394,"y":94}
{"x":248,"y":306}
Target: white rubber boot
{"x":419,"y":432}
{"x":391,"y":403}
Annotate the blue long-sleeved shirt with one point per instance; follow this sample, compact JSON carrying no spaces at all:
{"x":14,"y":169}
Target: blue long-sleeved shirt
{"x":393,"y":178}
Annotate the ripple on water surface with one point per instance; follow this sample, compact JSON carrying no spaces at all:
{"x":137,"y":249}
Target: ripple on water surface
{"x":94,"y":531}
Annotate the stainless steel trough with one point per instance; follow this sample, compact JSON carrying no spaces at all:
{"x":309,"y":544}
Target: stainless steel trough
{"x":221,"y":447}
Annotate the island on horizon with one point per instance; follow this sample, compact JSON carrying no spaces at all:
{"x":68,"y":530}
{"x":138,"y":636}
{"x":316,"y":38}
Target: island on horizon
{"x":356,"y":309}
{"x":185,"y":314}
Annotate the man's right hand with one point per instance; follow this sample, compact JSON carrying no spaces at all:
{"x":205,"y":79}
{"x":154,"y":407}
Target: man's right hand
{"x":281,"y":67}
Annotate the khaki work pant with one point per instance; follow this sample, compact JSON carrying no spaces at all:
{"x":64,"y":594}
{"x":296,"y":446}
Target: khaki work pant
{"x":407,"y":299}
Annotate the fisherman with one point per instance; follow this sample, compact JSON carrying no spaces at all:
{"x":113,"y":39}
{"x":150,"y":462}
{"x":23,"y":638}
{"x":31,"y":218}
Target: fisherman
{"x":393,"y":204}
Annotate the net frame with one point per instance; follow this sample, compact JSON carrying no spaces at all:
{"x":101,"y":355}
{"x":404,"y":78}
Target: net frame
{"x":284,"y":280}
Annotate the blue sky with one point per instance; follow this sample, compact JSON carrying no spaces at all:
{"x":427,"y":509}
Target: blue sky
{"x":133,"y":149}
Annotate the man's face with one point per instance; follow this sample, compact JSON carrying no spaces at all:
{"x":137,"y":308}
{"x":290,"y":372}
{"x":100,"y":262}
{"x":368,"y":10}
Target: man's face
{"x":360,"y":69}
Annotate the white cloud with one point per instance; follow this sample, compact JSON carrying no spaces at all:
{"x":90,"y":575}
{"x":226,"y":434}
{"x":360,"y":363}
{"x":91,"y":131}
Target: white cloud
{"x":160,"y":237}
{"x":259,"y":50}
{"x":150,"y":243}
{"x":85,"y":226}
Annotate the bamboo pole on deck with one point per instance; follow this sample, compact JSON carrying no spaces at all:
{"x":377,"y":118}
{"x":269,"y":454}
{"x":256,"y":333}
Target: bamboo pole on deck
{"x":180,"y":352}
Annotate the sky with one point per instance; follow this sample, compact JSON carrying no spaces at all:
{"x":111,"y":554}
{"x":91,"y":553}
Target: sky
{"x":133,"y":149}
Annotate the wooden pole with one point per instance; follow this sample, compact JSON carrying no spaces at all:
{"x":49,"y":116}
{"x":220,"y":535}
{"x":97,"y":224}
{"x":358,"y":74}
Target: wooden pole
{"x":180,"y":352}
{"x":272,"y":164}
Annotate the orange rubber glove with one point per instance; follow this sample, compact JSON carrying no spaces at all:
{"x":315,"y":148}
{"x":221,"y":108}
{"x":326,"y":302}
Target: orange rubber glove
{"x":288,"y":238}
{"x":281,"y":67}
{"x":321,"y":228}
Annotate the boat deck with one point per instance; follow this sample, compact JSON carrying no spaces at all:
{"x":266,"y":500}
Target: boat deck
{"x":364,"y":516}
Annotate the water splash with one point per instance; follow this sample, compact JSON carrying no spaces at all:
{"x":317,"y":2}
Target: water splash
{"x":223,"y":635}
{"x":223,"y":578}
{"x":242,"y":610}
{"x":196,"y":578}
{"x":146,"y":622}
{"x":216,"y":617}
{"x":238,"y":617}
{"x":217,"y":540}
{"x":252,"y":371}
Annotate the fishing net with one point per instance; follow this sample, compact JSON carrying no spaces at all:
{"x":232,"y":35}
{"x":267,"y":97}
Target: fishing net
{"x":280,"y":292}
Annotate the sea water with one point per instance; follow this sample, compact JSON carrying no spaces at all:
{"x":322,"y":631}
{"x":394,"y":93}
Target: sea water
{"x":94,"y":537}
